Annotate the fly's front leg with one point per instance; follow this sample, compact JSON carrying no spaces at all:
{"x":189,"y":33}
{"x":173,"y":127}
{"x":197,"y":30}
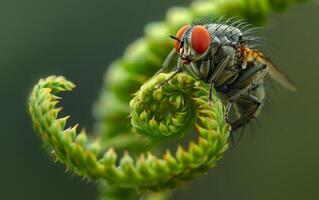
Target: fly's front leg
{"x":211,"y":86}
{"x":217,"y":72}
{"x":178,"y":70}
{"x":167,"y":62}
{"x":219,"y":69}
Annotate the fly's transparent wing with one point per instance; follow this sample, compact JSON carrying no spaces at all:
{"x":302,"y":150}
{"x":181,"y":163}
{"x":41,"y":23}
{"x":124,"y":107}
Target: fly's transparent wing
{"x":278,"y":75}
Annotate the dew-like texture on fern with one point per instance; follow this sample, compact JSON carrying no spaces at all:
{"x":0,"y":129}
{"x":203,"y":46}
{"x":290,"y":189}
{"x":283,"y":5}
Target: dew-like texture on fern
{"x":119,"y":155}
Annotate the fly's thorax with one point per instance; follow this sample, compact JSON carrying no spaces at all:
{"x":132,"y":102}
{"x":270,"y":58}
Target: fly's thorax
{"x":227,"y":34}
{"x":225,"y":51}
{"x":214,"y":45}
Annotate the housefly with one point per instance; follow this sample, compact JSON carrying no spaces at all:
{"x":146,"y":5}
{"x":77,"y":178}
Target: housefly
{"x":221,"y":53}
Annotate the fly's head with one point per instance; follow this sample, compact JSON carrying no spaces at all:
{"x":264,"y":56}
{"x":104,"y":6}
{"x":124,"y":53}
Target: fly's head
{"x":192,"y":43}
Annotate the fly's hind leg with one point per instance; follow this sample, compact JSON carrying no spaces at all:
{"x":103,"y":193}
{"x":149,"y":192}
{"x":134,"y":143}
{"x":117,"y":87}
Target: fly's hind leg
{"x":245,"y":92}
{"x":248,"y":107}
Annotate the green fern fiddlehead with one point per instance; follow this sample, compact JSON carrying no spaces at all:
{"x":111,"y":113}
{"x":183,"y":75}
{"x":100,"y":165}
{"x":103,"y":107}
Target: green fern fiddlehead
{"x":157,"y":114}
{"x":147,"y":171}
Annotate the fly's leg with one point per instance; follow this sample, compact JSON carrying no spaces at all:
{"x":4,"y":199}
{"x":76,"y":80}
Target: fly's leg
{"x":248,"y":107}
{"x":247,"y":80}
{"x":219,"y":69}
{"x":217,"y":72}
{"x":211,"y":86}
{"x":169,"y":78}
{"x":237,"y":93}
{"x":233,"y":97}
{"x":167,"y":62}
{"x":178,"y":70}
{"x":227,"y":110}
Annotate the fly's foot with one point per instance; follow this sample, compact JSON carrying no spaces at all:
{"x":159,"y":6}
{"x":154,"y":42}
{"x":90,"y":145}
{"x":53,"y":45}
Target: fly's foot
{"x":160,"y":86}
{"x":226,"y":118}
{"x":227,"y":110}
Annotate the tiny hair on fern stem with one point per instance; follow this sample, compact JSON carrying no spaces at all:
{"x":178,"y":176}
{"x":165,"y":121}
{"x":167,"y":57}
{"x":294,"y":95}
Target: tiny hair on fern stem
{"x":147,"y":171}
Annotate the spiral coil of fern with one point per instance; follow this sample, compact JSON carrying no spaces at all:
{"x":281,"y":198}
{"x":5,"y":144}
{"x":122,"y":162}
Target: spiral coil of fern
{"x":148,"y":172}
{"x":88,"y":158}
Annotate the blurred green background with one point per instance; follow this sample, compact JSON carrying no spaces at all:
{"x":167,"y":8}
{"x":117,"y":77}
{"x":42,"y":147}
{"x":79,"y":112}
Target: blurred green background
{"x":78,"y":39}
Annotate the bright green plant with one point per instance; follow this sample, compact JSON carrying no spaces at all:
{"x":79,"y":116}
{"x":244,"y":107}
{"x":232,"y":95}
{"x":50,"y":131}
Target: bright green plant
{"x":119,"y":156}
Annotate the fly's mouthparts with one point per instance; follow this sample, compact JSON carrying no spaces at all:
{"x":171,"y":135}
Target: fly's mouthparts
{"x":188,"y":51}
{"x":185,"y":52}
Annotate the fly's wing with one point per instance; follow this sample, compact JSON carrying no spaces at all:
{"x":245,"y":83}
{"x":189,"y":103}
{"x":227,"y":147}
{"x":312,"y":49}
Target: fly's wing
{"x":278,"y":75}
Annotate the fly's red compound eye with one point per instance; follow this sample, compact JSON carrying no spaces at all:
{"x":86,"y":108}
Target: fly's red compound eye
{"x":200,"y":39}
{"x":179,"y":36}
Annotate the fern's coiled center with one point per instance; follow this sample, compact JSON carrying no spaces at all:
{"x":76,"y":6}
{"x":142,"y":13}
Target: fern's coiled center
{"x":166,"y":112}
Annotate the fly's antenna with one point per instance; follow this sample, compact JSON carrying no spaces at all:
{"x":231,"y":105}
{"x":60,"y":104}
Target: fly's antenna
{"x":174,"y":38}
